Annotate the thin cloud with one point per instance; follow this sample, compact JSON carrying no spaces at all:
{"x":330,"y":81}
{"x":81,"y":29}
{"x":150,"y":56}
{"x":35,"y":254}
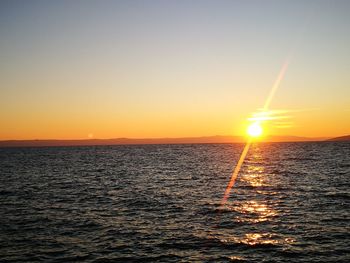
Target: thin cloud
{"x":279,"y":118}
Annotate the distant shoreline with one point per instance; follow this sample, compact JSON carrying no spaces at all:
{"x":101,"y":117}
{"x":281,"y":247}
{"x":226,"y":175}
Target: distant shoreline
{"x":148,"y":141}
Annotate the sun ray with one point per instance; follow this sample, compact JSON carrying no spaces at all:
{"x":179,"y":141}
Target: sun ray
{"x":276,"y":85}
{"x":235,"y":173}
{"x":254,"y":130}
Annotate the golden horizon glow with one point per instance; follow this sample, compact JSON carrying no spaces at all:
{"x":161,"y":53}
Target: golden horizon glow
{"x":124,"y":69}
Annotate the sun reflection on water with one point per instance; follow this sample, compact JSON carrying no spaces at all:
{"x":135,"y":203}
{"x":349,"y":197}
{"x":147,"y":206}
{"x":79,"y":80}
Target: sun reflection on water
{"x":255,"y":179}
{"x":251,"y":211}
{"x":251,"y":207}
{"x":254,"y":173}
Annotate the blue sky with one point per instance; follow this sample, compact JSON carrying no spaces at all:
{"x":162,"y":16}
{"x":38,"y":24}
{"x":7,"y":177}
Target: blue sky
{"x":134,"y":63}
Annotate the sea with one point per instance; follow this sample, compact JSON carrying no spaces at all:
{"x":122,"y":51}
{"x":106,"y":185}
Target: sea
{"x":162,"y":203}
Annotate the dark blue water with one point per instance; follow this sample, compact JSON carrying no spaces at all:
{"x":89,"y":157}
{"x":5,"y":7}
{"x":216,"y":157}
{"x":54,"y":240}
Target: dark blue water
{"x":161,"y":203}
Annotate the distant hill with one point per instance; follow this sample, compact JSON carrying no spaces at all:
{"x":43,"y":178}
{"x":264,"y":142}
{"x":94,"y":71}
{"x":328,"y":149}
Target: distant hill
{"x":341,"y":138}
{"x":120,"y":141}
{"x":130,"y":141}
{"x":292,"y":139}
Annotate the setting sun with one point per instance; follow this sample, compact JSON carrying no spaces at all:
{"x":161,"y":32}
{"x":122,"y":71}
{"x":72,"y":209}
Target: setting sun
{"x":254,"y":130}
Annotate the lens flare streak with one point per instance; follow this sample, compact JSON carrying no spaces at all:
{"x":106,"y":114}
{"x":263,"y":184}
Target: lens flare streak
{"x":235,"y":172}
{"x":276,"y":84}
{"x":246,"y":148}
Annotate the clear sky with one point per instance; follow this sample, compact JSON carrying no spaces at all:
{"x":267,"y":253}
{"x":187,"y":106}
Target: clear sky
{"x":107,"y":69}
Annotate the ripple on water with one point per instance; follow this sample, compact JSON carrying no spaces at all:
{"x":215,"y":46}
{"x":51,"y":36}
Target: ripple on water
{"x":162,"y":203}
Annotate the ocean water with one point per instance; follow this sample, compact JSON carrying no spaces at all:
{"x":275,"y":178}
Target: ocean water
{"x":161,"y":203}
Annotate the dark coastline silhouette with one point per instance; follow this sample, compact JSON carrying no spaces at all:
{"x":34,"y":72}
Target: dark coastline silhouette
{"x":184,"y":140}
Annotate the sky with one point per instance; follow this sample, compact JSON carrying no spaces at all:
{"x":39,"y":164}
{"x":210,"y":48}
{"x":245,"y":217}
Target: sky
{"x":148,"y":69}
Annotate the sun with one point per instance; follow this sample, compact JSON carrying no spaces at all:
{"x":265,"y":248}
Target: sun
{"x":254,"y":130}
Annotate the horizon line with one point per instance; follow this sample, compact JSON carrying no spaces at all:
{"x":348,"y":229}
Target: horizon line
{"x":170,"y":137}
{"x":215,"y":139}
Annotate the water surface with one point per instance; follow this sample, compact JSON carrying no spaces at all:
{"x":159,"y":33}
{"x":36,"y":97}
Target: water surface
{"x":161,"y":203}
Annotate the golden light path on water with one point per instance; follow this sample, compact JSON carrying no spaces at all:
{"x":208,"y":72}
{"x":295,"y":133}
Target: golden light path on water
{"x":250,"y":212}
{"x":246,"y":147}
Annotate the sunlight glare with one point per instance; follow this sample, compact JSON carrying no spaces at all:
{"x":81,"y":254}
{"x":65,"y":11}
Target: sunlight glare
{"x":254,"y":130}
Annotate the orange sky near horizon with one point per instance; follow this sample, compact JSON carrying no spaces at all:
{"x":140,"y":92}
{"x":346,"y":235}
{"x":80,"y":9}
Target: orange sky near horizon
{"x":172,"y":69}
